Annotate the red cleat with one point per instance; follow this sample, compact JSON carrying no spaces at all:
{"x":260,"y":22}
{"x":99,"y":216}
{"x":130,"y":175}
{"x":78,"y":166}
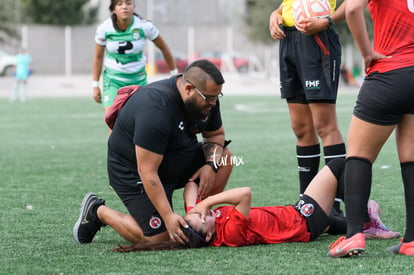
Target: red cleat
{"x":402,"y":248}
{"x":344,"y":247}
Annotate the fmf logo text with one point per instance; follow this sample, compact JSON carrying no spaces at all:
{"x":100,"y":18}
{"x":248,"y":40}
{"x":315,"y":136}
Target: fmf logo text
{"x":314,"y":84}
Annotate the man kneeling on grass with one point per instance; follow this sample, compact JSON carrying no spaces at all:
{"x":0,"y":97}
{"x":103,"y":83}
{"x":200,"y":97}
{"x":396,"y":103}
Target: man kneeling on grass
{"x":154,"y":149}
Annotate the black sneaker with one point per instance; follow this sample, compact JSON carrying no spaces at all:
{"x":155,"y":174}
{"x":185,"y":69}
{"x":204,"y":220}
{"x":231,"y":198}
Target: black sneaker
{"x":88,"y":223}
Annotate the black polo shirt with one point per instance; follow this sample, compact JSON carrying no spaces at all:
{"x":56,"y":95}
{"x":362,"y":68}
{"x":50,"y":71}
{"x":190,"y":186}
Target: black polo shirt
{"x":154,"y":118}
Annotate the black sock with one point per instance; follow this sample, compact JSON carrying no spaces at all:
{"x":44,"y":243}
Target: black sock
{"x":332,"y":152}
{"x":407,"y":172}
{"x":308,"y":164}
{"x":358,"y":176}
{"x":337,"y":167}
{"x":337,"y":225}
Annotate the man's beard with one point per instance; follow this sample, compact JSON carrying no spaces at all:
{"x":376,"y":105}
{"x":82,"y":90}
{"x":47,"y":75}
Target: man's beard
{"x":194,"y":114}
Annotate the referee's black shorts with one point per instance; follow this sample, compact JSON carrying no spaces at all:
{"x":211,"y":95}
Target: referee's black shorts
{"x":306,"y":70}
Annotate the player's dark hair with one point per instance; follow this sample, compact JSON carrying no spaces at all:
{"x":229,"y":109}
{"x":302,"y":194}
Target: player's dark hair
{"x":195,"y":240}
{"x":206,"y":66}
{"x":113,"y":15}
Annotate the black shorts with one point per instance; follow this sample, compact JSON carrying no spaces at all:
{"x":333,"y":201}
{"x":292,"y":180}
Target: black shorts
{"x":316,"y":219}
{"x":305,"y":70}
{"x":140,"y":206}
{"x":385,"y":97}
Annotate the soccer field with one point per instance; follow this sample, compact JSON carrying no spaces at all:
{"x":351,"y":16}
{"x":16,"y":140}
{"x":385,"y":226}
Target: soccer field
{"x":53,"y":151}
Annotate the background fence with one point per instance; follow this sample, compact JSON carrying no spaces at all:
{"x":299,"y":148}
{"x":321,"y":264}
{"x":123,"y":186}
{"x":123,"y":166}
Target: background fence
{"x":69,"y":50}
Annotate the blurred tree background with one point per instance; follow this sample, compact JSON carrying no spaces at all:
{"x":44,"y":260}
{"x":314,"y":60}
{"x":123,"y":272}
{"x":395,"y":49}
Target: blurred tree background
{"x":14,"y":13}
{"x":61,"y":12}
{"x":9,"y":17}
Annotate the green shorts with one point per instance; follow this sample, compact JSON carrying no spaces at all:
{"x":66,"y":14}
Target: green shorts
{"x":111,"y":87}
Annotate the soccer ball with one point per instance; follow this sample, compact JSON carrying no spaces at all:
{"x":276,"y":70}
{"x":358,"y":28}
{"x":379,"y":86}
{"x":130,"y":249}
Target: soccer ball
{"x":310,"y":8}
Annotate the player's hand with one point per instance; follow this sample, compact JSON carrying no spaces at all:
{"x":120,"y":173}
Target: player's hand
{"x":207,"y":178}
{"x":173,"y":222}
{"x":311,"y":26}
{"x":373,"y":56}
{"x":275,"y":22}
{"x":202,"y":209}
{"x":97,"y":94}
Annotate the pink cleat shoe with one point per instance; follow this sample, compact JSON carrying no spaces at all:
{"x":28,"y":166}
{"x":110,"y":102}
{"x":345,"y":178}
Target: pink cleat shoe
{"x":376,"y":229}
{"x":344,"y":247}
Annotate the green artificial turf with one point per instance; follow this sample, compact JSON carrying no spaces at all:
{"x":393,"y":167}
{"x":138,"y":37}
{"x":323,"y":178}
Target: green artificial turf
{"x":53,"y":151}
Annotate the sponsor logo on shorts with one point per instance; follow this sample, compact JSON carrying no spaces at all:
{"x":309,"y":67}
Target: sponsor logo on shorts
{"x":312,"y":84}
{"x":155,"y":222}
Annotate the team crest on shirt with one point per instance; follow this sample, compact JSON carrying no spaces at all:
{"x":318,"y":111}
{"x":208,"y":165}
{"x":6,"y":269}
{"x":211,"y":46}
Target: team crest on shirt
{"x":135,"y":34}
{"x":155,"y":222}
{"x":307,"y":209}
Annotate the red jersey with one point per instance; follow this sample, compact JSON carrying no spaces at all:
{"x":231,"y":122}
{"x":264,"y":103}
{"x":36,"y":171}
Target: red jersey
{"x":266,"y":225}
{"x":393,"y":33}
